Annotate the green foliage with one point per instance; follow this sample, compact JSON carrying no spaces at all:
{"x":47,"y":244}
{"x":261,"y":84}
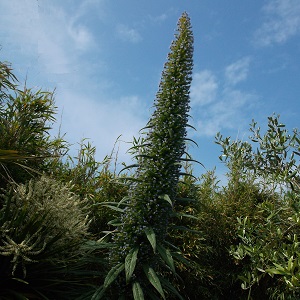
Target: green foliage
{"x":7,"y":81}
{"x":25,"y":120}
{"x":167,"y":236}
{"x":211,"y":272}
{"x":226,"y":252}
{"x":67,"y":213}
{"x":269,"y":245}
{"x":275,"y":159}
{"x":266,"y":247}
{"x":94,"y":181}
{"x":42,"y":232}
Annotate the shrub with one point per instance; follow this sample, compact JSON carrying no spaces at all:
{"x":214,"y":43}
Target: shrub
{"x":266,"y":247}
{"x":25,"y":120}
{"x":43,"y":228}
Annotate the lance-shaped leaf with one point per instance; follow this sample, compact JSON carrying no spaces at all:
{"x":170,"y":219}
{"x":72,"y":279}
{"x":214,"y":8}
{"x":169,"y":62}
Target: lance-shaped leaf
{"x":154,"y":280}
{"x":166,"y":256}
{"x":192,"y":160}
{"x":129,"y":167}
{"x":124,"y":201}
{"x":113,"y":274}
{"x":166,"y":198}
{"x":130,"y":262}
{"x":180,"y":215}
{"x":168,"y":286}
{"x":181,"y":258}
{"x":115,"y":222}
{"x":114,"y":208}
{"x":98,"y":293}
{"x":137,"y":291}
{"x":151,"y":237}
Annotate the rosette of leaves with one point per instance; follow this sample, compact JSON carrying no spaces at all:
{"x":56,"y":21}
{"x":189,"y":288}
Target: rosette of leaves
{"x":141,"y":257}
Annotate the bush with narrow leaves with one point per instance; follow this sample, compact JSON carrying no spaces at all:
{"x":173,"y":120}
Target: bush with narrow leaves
{"x":43,"y":227}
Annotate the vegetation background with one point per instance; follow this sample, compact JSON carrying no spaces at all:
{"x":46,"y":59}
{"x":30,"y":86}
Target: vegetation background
{"x":60,"y":224}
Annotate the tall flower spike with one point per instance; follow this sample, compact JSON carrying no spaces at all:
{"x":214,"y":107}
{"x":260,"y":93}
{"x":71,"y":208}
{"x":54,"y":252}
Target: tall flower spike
{"x":140,"y":248}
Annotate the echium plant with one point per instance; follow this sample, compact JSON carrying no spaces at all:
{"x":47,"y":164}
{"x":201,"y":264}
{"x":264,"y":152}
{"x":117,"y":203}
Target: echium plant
{"x":141,"y":256}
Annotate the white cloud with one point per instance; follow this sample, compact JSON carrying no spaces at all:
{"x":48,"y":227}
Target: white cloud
{"x":218,"y":107}
{"x":19,"y":23}
{"x":56,"y":39}
{"x":101,"y":121}
{"x":204,"y":88}
{"x":126,"y":33}
{"x":61,"y":40}
{"x":46,"y":31}
{"x":225,"y":114}
{"x":238,"y":71}
{"x":158,"y":19}
{"x":282,"y":22}
{"x":82,"y":37}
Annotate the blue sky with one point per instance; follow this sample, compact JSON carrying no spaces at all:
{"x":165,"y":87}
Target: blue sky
{"x":105,"y":59}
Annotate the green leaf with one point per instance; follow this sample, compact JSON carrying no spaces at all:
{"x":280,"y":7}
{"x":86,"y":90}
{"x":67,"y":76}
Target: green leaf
{"x":172,"y":246}
{"x":187,"y":174}
{"x":129,"y":167}
{"x":190,"y":140}
{"x":184,"y":228}
{"x":123,"y":201}
{"x":20,"y":280}
{"x":99,"y":293}
{"x":9,"y":154}
{"x":191,"y":160}
{"x":166,"y":198}
{"x":113,"y":274}
{"x":166,"y":256}
{"x":114,"y":207}
{"x":115,"y":222}
{"x":184,"y":200}
{"x":168,"y":286}
{"x":190,"y":126}
{"x":130,"y":262}
{"x":180,"y":257}
{"x":186,"y":216}
{"x":154,"y":280}
{"x":137,"y":291}
{"x":277,"y":271}
{"x":151,"y":237}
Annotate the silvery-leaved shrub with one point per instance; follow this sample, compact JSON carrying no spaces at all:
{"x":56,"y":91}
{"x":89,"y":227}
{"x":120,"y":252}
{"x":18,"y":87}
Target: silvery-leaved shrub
{"x":65,"y":214}
{"x":141,"y":257}
{"x":42,"y":227}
